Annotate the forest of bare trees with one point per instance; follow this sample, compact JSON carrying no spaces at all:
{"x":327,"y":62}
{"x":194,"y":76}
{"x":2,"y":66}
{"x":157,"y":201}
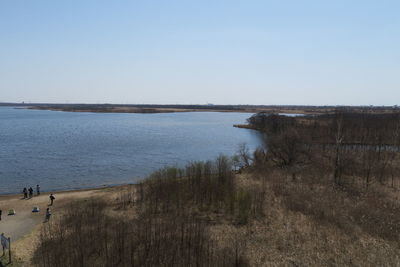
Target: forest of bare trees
{"x":349,"y":146}
{"x":163,"y":222}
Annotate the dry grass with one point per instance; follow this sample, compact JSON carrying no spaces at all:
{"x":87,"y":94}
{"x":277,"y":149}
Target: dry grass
{"x":315,"y":224}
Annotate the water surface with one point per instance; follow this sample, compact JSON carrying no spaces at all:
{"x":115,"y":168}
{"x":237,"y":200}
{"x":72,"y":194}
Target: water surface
{"x":71,"y":150}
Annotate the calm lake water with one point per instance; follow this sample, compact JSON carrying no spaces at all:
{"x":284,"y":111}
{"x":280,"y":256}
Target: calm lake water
{"x":68,"y":150}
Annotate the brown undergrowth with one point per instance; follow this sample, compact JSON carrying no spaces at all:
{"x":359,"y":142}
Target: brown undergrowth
{"x":166,"y":220}
{"x":312,"y":222}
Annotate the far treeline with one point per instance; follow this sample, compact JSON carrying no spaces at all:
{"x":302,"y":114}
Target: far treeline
{"x":323,"y":191}
{"x":162,"y":108}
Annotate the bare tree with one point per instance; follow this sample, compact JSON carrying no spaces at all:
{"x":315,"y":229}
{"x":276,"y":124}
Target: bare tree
{"x":339,"y":138}
{"x":287,"y":150}
{"x":244,"y":155}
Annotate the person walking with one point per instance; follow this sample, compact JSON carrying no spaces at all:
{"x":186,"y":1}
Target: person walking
{"x":51,"y":199}
{"x":25,"y":191}
{"x":30,"y":192}
{"x":0,"y":213}
{"x":48,"y":214}
{"x":37,"y":189}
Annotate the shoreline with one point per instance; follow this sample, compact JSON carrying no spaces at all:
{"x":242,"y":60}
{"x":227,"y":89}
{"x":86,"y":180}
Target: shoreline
{"x":245,"y":126}
{"x":24,"y":227}
{"x":176,"y":108}
{"x":5,"y":196}
{"x":151,"y":109}
{"x":169,"y":108}
{"x":135,"y":110}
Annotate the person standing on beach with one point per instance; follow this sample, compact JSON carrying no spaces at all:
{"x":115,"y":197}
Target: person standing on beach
{"x":25,"y":191}
{"x":48,"y":214}
{"x":30,"y":192}
{"x":51,"y":199}
{"x":0,"y":213}
{"x":37,"y":189}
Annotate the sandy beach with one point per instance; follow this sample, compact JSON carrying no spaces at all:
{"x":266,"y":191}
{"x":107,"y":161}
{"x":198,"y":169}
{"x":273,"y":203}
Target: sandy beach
{"x":24,"y":227}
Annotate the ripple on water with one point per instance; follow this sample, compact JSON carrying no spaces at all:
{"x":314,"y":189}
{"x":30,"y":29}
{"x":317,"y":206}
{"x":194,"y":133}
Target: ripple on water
{"x":70,"y":150}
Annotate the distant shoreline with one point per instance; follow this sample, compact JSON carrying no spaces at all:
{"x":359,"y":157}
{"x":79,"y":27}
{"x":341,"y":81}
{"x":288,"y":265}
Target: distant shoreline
{"x":172,"y":108}
{"x":168,"y":109}
{"x":133,"y":110}
{"x":150,"y":108}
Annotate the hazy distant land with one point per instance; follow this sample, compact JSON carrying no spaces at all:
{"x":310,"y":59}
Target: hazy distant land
{"x":156,"y":108}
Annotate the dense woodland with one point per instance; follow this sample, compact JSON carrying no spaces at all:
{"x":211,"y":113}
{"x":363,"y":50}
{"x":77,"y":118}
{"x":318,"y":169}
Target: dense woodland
{"x":347,"y":145}
{"x":323,"y":191}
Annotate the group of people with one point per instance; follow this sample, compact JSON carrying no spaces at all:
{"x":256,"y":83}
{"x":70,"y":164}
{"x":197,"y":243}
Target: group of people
{"x":30,"y":191}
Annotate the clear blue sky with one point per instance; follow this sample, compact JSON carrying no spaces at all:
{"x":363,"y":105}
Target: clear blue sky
{"x":344,"y":52}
